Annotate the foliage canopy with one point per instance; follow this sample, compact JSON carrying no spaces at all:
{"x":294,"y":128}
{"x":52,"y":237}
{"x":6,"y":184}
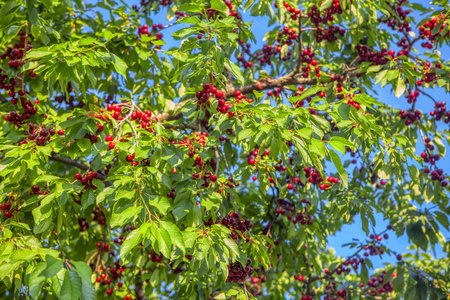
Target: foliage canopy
{"x":210,"y":170}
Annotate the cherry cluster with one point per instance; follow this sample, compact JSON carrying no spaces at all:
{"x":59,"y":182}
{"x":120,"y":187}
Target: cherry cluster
{"x":425,"y":31}
{"x":429,"y":73}
{"x":412,"y":97}
{"x":283,"y":205}
{"x":119,"y":240}
{"x":411,"y":116}
{"x":206,"y":176}
{"x":199,"y":138}
{"x":276,"y":92}
{"x":36,"y":190}
{"x":254,"y":154}
{"x":286,"y":36}
{"x":180,"y":15}
{"x":376,"y":58}
{"x":130,"y":158}
{"x":39,"y":134}
{"x":237,"y":273}
{"x":303,"y":217}
{"x":235,"y":222}
{"x":68,"y":100}
{"x":99,"y":216}
{"x":112,"y":273}
{"x":295,"y":13}
{"x":102,"y":246}
{"x":402,"y":25}
{"x":353,"y":103}
{"x":84,"y":225}
{"x":16,"y":53}
{"x":6,"y":207}
{"x":154,"y":257}
{"x":354,"y":263}
{"x":440,"y":112}
{"x":155,"y":27}
{"x":332,"y":293}
{"x":87,"y":180}
{"x":376,"y":287}
{"x":329,"y":34}
{"x":313,"y":175}
{"x":208,"y":91}
{"x":316,"y":19}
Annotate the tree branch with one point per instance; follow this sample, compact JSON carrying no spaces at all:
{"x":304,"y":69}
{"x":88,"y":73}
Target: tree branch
{"x":56,"y":157}
{"x":172,"y":115}
{"x":139,"y":287}
{"x":289,"y":79}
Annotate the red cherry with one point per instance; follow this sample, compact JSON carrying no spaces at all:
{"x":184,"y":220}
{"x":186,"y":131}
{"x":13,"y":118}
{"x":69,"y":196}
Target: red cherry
{"x":213,"y":178}
{"x":109,"y":138}
{"x":111,"y":145}
{"x":252,"y":161}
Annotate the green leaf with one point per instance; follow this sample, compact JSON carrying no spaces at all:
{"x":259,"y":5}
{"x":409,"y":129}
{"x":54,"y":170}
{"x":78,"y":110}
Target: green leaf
{"x":340,"y":168}
{"x":219,"y":5}
{"x":163,"y":238}
{"x":85,"y":273}
{"x":317,"y":146}
{"x":131,"y":241}
{"x":401,"y":87}
{"x":119,"y":65}
{"x":33,"y":54}
{"x":244,"y":134}
{"x":235,"y":70}
{"x":118,"y":219}
{"x":309,"y":92}
{"x":53,"y":266}
{"x":175,"y":235}
{"x":325,"y":4}
{"x":71,"y":288}
{"x":88,"y":198}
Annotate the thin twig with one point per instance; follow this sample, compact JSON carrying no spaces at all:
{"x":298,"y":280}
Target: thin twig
{"x":300,"y":58}
{"x":427,"y":95}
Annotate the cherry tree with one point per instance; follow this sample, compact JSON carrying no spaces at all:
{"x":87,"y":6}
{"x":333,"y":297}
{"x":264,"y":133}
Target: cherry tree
{"x":219,"y":166}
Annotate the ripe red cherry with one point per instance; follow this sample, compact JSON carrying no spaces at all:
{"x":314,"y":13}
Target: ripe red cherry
{"x":61,"y":132}
{"x":290,"y":186}
{"x":109,"y":138}
{"x":112,"y":145}
{"x":98,"y":279}
{"x":8,"y":214}
{"x":120,"y":284}
{"x":213,"y":178}
{"x":300,"y":277}
{"x":109,"y":292}
{"x":378,"y":238}
{"x":78,"y":176}
{"x":252,"y":161}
